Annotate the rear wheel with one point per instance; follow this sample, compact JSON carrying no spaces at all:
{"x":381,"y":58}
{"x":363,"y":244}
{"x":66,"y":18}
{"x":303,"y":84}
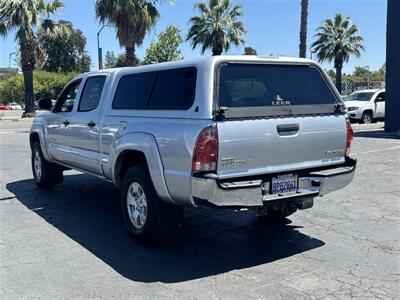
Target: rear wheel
{"x":366,"y":118}
{"x":145,"y":215}
{"x":45,"y":174}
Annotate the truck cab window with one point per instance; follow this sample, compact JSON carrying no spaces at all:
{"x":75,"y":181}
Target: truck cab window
{"x":66,"y":100}
{"x":91,"y":93}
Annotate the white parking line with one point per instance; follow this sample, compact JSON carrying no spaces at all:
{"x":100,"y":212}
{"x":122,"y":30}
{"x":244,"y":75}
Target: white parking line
{"x":5,"y":132}
{"x":376,"y":150}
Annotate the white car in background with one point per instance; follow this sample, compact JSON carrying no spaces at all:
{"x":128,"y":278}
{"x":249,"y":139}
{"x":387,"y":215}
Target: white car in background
{"x":366,"y":106}
{"x":15,"y":106}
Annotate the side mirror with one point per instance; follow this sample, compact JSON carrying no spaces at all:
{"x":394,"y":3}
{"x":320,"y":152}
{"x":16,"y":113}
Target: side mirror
{"x":379,"y":99}
{"x":45,"y":103}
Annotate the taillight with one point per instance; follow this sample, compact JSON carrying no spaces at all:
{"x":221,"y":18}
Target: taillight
{"x":349,"y":136}
{"x":205,"y":155}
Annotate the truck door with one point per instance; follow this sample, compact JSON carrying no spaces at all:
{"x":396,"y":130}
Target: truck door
{"x":58,"y":124}
{"x":380,"y":105}
{"x":84,"y":125}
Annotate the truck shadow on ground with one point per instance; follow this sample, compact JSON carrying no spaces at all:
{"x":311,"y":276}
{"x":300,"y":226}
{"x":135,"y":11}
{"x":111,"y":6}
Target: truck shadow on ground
{"x":87,"y":210}
{"x":376,"y":134}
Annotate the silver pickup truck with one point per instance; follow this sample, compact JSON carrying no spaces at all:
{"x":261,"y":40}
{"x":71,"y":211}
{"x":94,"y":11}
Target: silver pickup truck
{"x":264,"y":133}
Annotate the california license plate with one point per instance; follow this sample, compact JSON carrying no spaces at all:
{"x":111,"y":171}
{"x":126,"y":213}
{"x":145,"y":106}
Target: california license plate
{"x":284,"y":184}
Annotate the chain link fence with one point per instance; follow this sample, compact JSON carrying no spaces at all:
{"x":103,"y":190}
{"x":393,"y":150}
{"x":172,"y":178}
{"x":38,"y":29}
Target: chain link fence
{"x":351,"y":86}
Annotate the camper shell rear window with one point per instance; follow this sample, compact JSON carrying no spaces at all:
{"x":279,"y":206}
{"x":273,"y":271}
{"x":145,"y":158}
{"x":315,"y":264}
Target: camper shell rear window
{"x":249,"y":89}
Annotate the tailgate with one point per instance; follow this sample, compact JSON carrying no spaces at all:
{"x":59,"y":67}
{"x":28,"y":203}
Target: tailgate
{"x":276,"y":118}
{"x":260,"y":146}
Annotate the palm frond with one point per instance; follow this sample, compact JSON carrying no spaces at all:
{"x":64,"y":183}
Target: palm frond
{"x":217,"y":26}
{"x":337,"y":39}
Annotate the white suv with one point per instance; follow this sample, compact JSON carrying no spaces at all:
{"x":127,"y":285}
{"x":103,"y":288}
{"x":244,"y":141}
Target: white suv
{"x":366,"y":106}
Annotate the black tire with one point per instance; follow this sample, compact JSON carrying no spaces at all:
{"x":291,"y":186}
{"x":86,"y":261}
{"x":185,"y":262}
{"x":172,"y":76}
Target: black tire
{"x":366,"y":118}
{"x":161,"y":218}
{"x":45,"y":174}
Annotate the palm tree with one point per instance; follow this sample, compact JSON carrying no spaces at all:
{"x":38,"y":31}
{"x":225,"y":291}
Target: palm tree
{"x":217,"y":26}
{"x":303,"y":29}
{"x":132,"y":19}
{"x":22,"y":16}
{"x":335,"y":41}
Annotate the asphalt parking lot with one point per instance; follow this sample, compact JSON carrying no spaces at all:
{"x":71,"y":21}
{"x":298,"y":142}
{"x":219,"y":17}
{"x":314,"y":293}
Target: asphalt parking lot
{"x":71,"y":243}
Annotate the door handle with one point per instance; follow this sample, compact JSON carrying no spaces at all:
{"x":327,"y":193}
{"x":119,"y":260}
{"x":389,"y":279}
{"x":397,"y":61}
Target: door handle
{"x":287,"y":129}
{"x":66,"y":123}
{"x":91,"y":124}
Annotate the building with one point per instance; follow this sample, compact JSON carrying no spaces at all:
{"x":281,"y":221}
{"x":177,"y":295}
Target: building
{"x":7,"y":72}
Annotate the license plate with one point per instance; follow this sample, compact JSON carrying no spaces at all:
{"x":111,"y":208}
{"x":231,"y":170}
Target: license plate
{"x":284,"y":184}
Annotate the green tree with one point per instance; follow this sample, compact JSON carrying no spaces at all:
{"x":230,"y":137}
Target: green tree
{"x":63,"y":50}
{"x":362,"y":74}
{"x":335,"y":41}
{"x":249,"y":51}
{"x":21,"y":17}
{"x":121,"y":59}
{"x":331,"y":74}
{"x":303,"y":29}
{"x":110,"y":59}
{"x":45,"y":84}
{"x":382,"y":72}
{"x":132,"y":20}
{"x":167,"y":47}
{"x":217,"y":27}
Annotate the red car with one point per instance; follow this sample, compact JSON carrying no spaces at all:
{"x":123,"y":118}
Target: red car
{"x":5,"y":107}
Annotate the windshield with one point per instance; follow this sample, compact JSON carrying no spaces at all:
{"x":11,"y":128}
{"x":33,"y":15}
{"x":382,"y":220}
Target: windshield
{"x":254,"y":85}
{"x":365,"y":96}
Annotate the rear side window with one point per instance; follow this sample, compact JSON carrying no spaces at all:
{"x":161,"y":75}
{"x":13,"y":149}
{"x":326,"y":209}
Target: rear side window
{"x":133,"y":91}
{"x":174,"y":90}
{"x":170,"y":89}
{"x":91,"y":93}
{"x":249,"y":85}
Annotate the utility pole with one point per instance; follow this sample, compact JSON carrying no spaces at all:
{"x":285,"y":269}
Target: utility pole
{"x":99,"y":50}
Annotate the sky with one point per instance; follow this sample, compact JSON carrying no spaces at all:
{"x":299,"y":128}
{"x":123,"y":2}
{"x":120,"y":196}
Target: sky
{"x":272,"y":27}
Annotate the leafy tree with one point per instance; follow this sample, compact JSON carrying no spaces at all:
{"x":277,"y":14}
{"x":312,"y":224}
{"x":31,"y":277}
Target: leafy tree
{"x":110,"y":59}
{"x":335,"y":41}
{"x":362,"y":73}
{"x":63,"y":50}
{"x":121,"y":59}
{"x":45,"y":84}
{"x":249,"y":51}
{"x":167,"y":48}
{"x":21,"y":17}
{"x":382,"y":71}
{"x":217,"y":27}
{"x":303,"y":29}
{"x":12,"y":89}
{"x":132,"y":20}
{"x":331,"y":74}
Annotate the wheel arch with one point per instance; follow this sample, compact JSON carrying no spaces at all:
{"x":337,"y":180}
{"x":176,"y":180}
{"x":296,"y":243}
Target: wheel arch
{"x":135,"y":149}
{"x":37,"y":134}
{"x":368,"y":110}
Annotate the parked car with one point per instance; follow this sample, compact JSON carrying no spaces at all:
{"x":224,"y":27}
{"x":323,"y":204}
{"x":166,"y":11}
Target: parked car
{"x":366,"y":106}
{"x":5,"y":107}
{"x":233,"y":132}
{"x":15,"y":106}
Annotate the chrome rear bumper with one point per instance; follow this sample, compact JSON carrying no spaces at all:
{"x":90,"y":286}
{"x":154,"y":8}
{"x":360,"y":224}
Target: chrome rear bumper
{"x":208,"y":191}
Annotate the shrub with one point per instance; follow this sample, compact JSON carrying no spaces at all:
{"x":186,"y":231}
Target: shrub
{"x":45,"y":84}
